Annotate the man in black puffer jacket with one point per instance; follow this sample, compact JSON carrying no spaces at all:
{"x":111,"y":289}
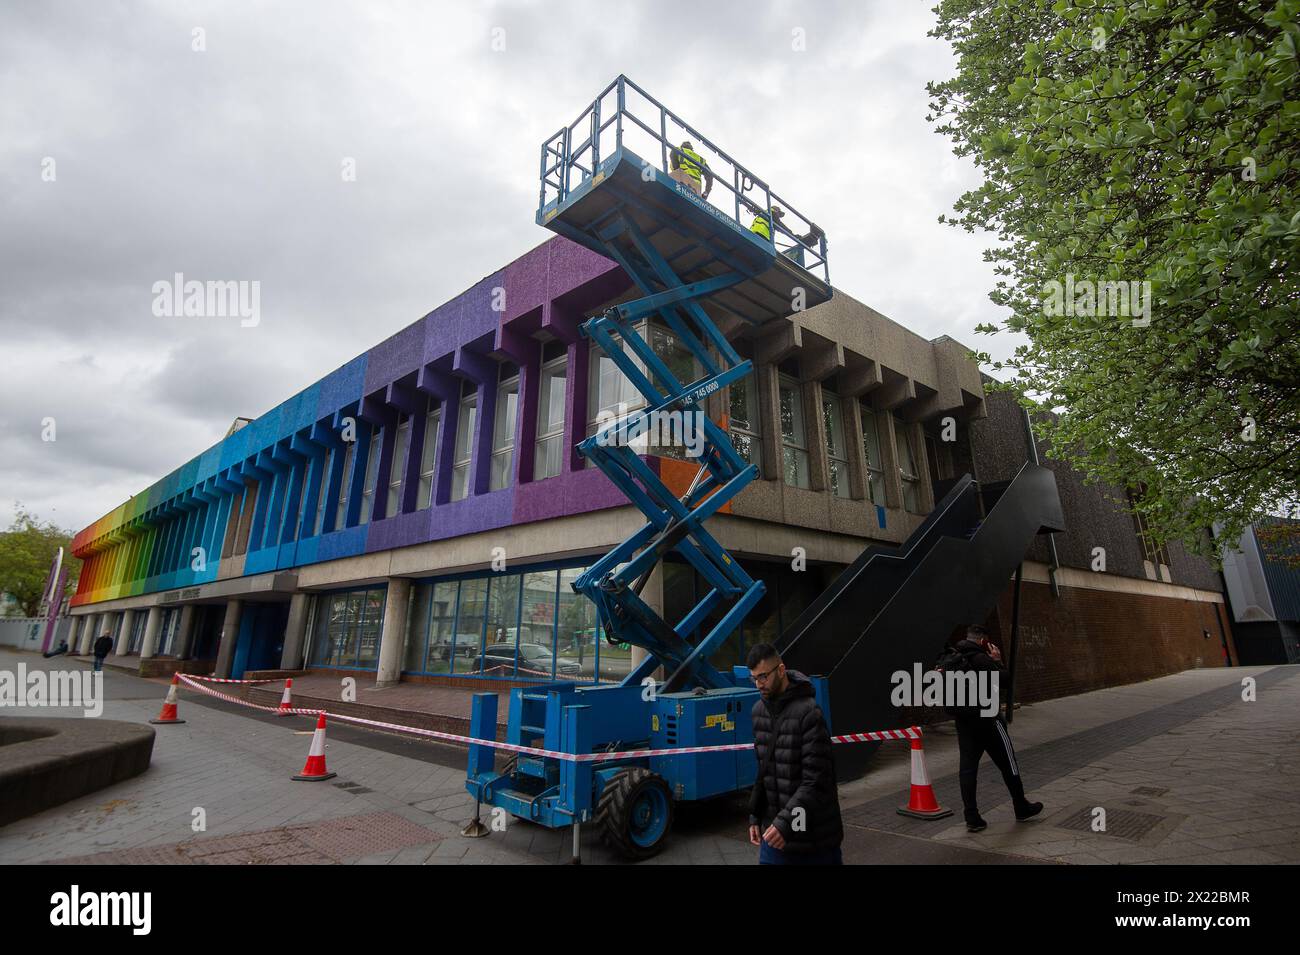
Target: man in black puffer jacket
{"x":794,"y":810}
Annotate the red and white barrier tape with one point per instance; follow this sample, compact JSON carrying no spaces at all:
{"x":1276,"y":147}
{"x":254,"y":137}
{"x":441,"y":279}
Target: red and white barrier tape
{"x":217,"y":679}
{"x":911,"y":732}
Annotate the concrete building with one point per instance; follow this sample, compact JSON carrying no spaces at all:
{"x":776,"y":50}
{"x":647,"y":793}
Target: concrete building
{"x":1103,"y":603}
{"x":418,"y":514}
{"x":1263,"y":585}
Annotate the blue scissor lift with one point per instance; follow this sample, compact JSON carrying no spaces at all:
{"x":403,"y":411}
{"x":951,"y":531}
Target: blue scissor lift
{"x":696,"y":264}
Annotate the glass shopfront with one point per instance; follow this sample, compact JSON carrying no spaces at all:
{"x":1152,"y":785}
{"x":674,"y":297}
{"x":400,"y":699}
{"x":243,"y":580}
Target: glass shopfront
{"x":527,"y":625}
{"x":345,"y":629}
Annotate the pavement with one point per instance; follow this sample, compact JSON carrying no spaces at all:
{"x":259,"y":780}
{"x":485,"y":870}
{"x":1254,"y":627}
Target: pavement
{"x":1185,"y":769}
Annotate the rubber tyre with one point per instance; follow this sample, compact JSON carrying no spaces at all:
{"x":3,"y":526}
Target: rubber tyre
{"x":635,"y":813}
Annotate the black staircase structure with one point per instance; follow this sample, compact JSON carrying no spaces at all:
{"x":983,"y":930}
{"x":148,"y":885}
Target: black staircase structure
{"x":895,"y":607}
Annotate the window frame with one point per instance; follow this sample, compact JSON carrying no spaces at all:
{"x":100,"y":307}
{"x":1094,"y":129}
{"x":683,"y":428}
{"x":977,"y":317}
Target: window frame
{"x":546,"y":435}
{"x":345,"y":485}
{"x":799,"y":423}
{"x":461,"y":468}
{"x":752,"y":429}
{"x":429,"y":452}
{"x":911,"y":482}
{"x":837,"y":478}
{"x":501,"y":476}
{"x":318,"y":524}
{"x":370,"y":476}
{"x":875,"y":472}
{"x":397,"y":467}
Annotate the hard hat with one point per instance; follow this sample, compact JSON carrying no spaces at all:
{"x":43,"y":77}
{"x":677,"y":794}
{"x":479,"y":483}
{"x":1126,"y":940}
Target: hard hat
{"x":778,"y":211}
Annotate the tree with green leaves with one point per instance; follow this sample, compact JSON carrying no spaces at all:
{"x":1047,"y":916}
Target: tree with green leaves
{"x":27,"y":551}
{"x":1141,"y":167}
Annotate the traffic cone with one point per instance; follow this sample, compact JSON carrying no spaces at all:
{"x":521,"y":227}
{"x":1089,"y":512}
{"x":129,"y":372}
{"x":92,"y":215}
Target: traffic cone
{"x":314,"y":770}
{"x":168,"y":712}
{"x":922,"y":804}
{"x":286,"y":703}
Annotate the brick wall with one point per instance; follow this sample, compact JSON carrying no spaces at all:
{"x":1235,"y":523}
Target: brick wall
{"x":1088,"y":639}
{"x":1092,"y":516}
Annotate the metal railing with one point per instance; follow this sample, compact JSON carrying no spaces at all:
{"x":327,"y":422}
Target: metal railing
{"x":610,"y":123}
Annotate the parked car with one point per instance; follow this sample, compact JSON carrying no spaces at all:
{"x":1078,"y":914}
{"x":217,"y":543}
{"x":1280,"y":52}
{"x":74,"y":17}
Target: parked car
{"x":466,"y":647}
{"x":532,"y":656}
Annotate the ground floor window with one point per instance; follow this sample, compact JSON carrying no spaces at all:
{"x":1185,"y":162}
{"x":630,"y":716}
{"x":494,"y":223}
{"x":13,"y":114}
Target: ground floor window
{"x":171,"y":621}
{"x":528,"y":625}
{"x":136,"y":636}
{"x":345,"y":629}
{"x":788,"y":594}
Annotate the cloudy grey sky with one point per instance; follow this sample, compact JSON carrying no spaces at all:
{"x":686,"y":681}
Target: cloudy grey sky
{"x":225,"y":164}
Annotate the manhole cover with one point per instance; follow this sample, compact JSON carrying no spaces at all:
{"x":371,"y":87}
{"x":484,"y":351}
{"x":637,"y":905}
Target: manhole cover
{"x":1149,"y":791}
{"x":1124,"y":823}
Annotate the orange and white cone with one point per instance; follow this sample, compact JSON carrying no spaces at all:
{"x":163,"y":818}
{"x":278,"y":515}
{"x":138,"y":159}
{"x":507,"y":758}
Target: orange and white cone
{"x":168,"y":712}
{"x":922,"y":804}
{"x":286,"y":701}
{"x":315,"y":770}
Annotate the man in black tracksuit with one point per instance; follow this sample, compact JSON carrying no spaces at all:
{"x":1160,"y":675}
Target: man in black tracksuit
{"x":977,"y":735}
{"x":794,"y":809}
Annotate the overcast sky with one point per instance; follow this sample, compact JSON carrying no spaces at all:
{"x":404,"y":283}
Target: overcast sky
{"x":225,"y":164}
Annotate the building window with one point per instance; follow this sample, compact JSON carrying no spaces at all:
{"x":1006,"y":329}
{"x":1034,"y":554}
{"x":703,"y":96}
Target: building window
{"x":611,"y":396}
{"x":526,"y":626}
{"x":373,"y":454}
{"x":907,"y":469}
{"x":464,"y":443}
{"x":501,"y":640}
{"x":794,"y":442}
{"x":470,"y":620}
{"x":320,"y":494}
{"x":429,"y":454}
{"x":672,"y":351}
{"x":837,"y":454}
{"x":742,"y":420}
{"x":875,"y":462}
{"x":431,"y":627}
{"x":685,"y":367}
{"x":503,"y":428}
{"x":346,"y":629}
{"x":168,"y":626}
{"x":136,"y":636}
{"x":341,"y":512}
{"x":549,"y":460}
{"x":397,"y":467}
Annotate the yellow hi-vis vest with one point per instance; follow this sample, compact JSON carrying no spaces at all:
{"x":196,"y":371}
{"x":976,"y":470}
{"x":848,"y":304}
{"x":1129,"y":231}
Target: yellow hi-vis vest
{"x":762,"y":226}
{"x":689,"y":162}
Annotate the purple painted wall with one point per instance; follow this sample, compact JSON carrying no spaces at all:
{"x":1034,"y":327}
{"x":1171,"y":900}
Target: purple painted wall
{"x":546,"y":290}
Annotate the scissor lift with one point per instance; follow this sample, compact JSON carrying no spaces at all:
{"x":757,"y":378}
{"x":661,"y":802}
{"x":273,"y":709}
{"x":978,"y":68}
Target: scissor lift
{"x":696,"y":263}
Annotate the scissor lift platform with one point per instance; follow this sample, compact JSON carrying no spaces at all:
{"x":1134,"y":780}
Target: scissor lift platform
{"x":696,"y":238}
{"x":694,"y":264}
